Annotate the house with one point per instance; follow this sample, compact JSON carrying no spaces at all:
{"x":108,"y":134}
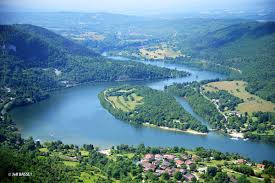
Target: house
{"x":189,"y":162}
{"x":235,"y":113}
{"x":158,"y":157}
{"x":148,"y":166}
{"x":260,"y":166}
{"x":202,"y":170}
{"x":184,"y":157}
{"x":179,"y":162}
{"x":164,"y":165}
{"x":149,"y":157}
{"x":241,"y":161}
{"x":159,"y":172}
{"x":144,"y":161}
{"x":169,"y":171}
{"x":195,"y":158}
{"x":183,"y":171}
{"x":169,"y":156}
{"x":189,"y":177}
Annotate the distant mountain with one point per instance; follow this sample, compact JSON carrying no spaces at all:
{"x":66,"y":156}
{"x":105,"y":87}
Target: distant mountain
{"x":238,"y":32}
{"x":38,"y":46}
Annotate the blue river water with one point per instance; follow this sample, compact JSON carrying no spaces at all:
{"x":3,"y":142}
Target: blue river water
{"x":75,"y":116}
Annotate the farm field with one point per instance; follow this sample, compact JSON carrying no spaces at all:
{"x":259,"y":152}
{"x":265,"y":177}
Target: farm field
{"x":159,"y":52}
{"x":252,"y":103}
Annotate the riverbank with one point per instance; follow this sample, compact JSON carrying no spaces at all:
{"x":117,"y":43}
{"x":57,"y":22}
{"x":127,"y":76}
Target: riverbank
{"x":174,"y":129}
{"x":236,"y":135}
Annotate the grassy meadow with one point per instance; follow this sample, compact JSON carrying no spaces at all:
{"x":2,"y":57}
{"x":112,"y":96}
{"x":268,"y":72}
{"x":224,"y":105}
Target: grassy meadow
{"x":252,"y":103}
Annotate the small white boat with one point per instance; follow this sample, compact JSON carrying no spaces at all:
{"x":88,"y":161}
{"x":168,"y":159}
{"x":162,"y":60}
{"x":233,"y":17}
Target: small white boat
{"x":234,"y":138}
{"x":245,"y":139}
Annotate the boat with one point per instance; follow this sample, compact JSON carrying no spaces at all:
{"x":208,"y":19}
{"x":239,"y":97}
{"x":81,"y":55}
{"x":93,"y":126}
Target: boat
{"x":234,"y":138}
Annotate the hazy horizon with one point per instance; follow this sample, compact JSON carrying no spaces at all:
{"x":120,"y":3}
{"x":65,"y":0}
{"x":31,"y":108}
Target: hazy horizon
{"x":140,"y":7}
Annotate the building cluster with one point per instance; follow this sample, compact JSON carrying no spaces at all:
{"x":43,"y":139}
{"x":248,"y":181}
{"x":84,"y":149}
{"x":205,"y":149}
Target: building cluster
{"x":168,"y":163}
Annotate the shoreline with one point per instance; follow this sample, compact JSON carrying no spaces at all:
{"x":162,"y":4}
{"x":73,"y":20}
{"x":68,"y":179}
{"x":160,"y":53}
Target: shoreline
{"x":174,"y":129}
{"x":236,"y":135}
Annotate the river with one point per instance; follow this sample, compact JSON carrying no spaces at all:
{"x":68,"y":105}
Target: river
{"x":75,"y":116}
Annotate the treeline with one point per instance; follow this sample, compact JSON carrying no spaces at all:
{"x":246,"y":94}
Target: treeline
{"x":83,"y":69}
{"x":261,"y":126}
{"x":158,"y":108}
{"x":201,"y":105}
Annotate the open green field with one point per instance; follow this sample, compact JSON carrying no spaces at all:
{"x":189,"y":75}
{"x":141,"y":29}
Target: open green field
{"x":71,"y":163}
{"x":124,"y":103}
{"x":252,"y":103}
{"x":84,"y":153}
{"x":161,"y":52}
{"x":44,"y":149}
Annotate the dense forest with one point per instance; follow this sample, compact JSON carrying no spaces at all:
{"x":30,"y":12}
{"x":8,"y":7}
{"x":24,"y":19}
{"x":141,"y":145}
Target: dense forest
{"x":157,"y":108}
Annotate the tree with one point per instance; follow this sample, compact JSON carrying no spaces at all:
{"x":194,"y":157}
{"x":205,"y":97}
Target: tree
{"x":178,"y":175}
{"x":243,"y":179}
{"x":193,"y":167}
{"x":165,"y":176}
{"x":267,"y":179}
{"x":221,"y":177}
{"x":211,"y":171}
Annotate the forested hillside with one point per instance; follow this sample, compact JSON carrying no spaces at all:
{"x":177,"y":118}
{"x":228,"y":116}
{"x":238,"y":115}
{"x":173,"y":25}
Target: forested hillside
{"x":35,"y":60}
{"x":249,"y":48}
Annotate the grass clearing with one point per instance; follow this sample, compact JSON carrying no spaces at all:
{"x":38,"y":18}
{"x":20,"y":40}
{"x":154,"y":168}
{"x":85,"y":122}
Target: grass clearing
{"x":71,"y":163}
{"x":44,"y":149}
{"x":159,"y":52}
{"x":252,"y":103}
{"x":215,"y":163}
{"x":84,"y":153}
{"x":125,"y":104}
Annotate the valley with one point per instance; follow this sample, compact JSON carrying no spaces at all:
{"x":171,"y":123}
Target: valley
{"x":123,"y":91}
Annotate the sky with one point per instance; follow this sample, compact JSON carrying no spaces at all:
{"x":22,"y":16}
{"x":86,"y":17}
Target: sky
{"x":135,"y":6}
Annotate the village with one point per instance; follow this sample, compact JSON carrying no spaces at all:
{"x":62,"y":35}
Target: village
{"x":169,"y":163}
{"x":191,"y":167}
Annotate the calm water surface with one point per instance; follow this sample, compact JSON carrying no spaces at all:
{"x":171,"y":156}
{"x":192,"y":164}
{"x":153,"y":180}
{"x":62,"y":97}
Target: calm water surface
{"x":75,"y":116}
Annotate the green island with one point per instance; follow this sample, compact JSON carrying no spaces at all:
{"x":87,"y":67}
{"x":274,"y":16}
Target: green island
{"x":58,"y":162}
{"x":146,"y":106}
{"x":230,"y":108}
